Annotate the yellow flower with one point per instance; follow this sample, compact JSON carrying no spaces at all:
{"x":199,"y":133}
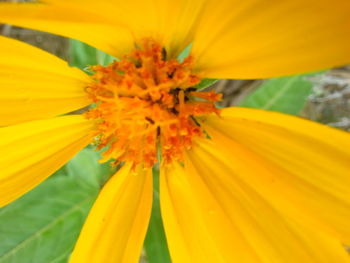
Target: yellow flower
{"x":239,"y":185}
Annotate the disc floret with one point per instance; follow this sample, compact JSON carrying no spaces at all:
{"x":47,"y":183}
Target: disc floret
{"x":145,"y":102}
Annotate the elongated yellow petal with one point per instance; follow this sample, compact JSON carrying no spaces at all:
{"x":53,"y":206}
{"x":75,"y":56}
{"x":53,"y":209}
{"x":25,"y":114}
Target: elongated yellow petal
{"x":117,"y":224}
{"x":32,"y":151}
{"x":71,"y":21}
{"x":260,"y":39}
{"x":177,"y":22}
{"x":211,"y":216}
{"x":112,"y":26}
{"x":35,"y":84}
{"x":198,"y":231}
{"x":171,"y":22}
{"x":299,"y":166}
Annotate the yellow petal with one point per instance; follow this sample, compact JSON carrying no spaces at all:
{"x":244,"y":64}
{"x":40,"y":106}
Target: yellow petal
{"x":259,"y":39}
{"x":176,"y":22}
{"x":35,"y":84}
{"x":210,"y":216}
{"x":111,"y":26}
{"x":171,"y":22}
{"x":32,"y":151}
{"x":117,"y":224}
{"x":67,"y":19}
{"x":301,"y":167}
{"x":198,"y":231}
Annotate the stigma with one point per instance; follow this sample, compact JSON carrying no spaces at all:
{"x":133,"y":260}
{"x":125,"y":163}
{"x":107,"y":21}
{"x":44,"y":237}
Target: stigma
{"x":146,"y":107}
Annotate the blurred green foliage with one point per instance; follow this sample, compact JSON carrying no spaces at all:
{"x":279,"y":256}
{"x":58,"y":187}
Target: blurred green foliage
{"x":155,"y":242}
{"x":206,"y":83}
{"x":43,"y":225}
{"x":286,"y":95}
{"x":83,"y":55}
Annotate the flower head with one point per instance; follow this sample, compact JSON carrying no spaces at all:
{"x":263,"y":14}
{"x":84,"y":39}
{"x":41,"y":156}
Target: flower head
{"x":145,"y":100}
{"x":236,"y":185}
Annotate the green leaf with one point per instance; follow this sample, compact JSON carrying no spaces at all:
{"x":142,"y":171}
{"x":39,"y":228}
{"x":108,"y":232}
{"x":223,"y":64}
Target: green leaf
{"x":205,"y":83}
{"x":83,"y":55}
{"x":185,"y":53}
{"x":86,"y":168}
{"x":43,"y":225}
{"x":155,"y":243}
{"x":287,"y":95}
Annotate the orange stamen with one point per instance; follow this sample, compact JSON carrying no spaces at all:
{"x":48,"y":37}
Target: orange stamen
{"x":145,"y":101}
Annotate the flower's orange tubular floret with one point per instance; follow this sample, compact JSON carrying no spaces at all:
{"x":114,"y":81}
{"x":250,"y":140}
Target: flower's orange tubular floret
{"x":144,"y":101}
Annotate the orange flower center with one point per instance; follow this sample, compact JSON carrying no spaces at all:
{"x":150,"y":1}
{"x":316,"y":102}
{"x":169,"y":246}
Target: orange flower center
{"x":145,"y":104}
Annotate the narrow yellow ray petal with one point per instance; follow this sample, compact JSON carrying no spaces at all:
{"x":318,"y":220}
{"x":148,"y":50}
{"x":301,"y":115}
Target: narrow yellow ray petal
{"x":35,"y":84}
{"x":259,"y":39}
{"x":177,"y":22}
{"x":211,"y":216}
{"x":32,"y":151}
{"x":117,"y":224}
{"x":112,"y":26}
{"x":299,"y":166}
{"x":198,"y":231}
{"x":71,"y":21}
{"x":171,"y":22}
{"x":272,"y":237}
